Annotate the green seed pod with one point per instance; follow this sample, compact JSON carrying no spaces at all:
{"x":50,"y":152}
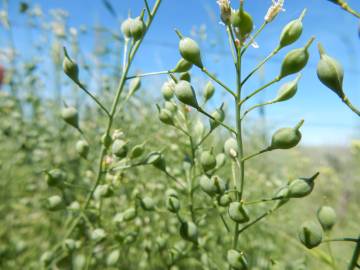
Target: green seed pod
{"x":166,"y":117}
{"x":283,"y":192}
{"x":137,"y":151}
{"x":119,"y":148}
{"x":286,"y":138}
{"x":70,"y":245}
{"x":310,"y":234}
{"x":236,"y":260}
{"x":135,"y":85}
{"x":147,"y":204}
{"x":243,"y":21}
{"x":185,"y":77}
{"x":182,"y":66}
{"x":231,"y":148}
{"x":47,"y":257}
{"x":172,"y":203}
{"x":103,"y":191}
{"x":301,"y":187}
{"x":212,"y":186}
{"x":129,"y":214}
{"x":224,"y":200}
{"x":295,"y":60}
{"x":167,"y":90}
{"x":238,"y":213}
{"x":189,"y":231}
{"x":70,"y":116}
{"x":106,"y":140}
{"x":70,"y":67}
{"x":160,"y":163}
{"x":220,"y":160}
{"x":55,"y":177}
{"x":113,"y":258}
{"x":209,"y":91}
{"x":137,"y":28}
{"x":82,"y":147}
{"x":186,"y":94}
{"x":219,"y":115}
{"x":189,"y":50}
{"x":287,"y":90}
{"x":170,"y":106}
{"x":98,"y":235}
{"x":126,"y":27}
{"x":207,"y":160}
{"x":55,"y":203}
{"x":292,"y":31}
{"x":327,"y":217}
{"x":330,"y":72}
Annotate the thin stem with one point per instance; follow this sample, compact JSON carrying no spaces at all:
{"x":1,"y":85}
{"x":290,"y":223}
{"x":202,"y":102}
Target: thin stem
{"x":345,"y":6}
{"x":343,"y":239}
{"x":252,"y":39}
{"x":217,"y":121}
{"x":255,"y":154}
{"x":328,"y":245}
{"x":356,"y":254}
{"x":232,"y":44}
{"x":256,"y":106}
{"x":264,"y":200}
{"x":351,"y":106}
{"x":247,"y":226}
{"x":259,"y":90}
{"x":147,"y":8}
{"x":204,"y":138}
{"x":211,"y":76}
{"x":149,"y":74}
{"x":125,"y":53}
{"x":93,"y":97}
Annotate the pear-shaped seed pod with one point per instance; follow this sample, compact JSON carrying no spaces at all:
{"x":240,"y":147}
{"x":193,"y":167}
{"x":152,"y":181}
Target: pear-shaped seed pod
{"x":147,"y":204}
{"x":126,"y":27}
{"x":135,"y":85}
{"x":137,"y":151}
{"x":282,"y":193}
{"x":207,"y":160}
{"x":70,"y":116}
{"x":182,"y":66}
{"x":119,"y":148}
{"x":186,"y":94}
{"x":310,"y":234}
{"x":224,"y":200}
{"x":137,"y":28}
{"x":209,"y":91}
{"x":212,"y":186}
{"x":219,"y":115}
{"x":113,"y":258}
{"x":287,"y":90}
{"x":237,"y":260}
{"x":185,"y":77}
{"x":55,"y":177}
{"x":170,"y":106}
{"x":70,"y":67}
{"x":292,"y":31}
{"x":231,"y":147}
{"x":238,"y":213}
{"x":82,"y":147}
{"x":166,"y":117}
{"x":243,"y":21}
{"x":286,"y":138}
{"x":129,"y":214}
{"x":172,"y":203}
{"x":55,"y":203}
{"x":189,"y":50}
{"x":167,"y":90}
{"x":330,"y":72}
{"x":301,"y":187}
{"x":295,"y":60}
{"x":103,"y":191}
{"x":327,"y":217}
{"x":189,"y":231}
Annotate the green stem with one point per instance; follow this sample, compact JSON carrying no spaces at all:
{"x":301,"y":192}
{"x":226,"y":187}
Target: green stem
{"x":355,"y":257}
{"x":247,"y":226}
{"x":211,"y":76}
{"x":149,"y":74}
{"x":255,"y":154}
{"x":259,"y":90}
{"x":252,"y":39}
{"x":256,"y":106}
{"x":350,"y":105}
{"x":343,"y":239}
{"x":217,"y":121}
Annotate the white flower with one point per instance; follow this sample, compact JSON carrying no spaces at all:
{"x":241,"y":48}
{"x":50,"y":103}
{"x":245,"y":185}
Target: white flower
{"x":225,"y":10}
{"x":274,"y":10}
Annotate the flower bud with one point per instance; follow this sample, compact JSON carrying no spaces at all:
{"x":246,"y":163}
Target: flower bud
{"x":189,"y":231}
{"x":186,"y":94}
{"x":137,"y":28}
{"x":82,"y":147}
{"x":55,"y":177}
{"x":236,"y":260}
{"x":207,"y":160}
{"x":292,"y":31}
{"x":330,"y":72}
{"x":70,"y":116}
{"x":286,"y":138}
{"x":70,"y":67}
{"x":295,"y":60}
{"x":55,"y":203}
{"x":238,"y":213}
{"x":225,"y":11}
{"x":147,"y":204}
{"x":327,"y":217}
{"x":126,"y":27}
{"x":243,"y":21}
{"x":209,"y":91}
{"x":189,"y":50}
{"x":310,"y":234}
{"x":287,"y":90}
{"x":119,"y":148}
{"x":219,"y":115}
{"x":167,"y":90}
{"x":182,"y":66}
{"x":301,"y":187}
{"x":172,"y":203}
{"x":231,"y":148}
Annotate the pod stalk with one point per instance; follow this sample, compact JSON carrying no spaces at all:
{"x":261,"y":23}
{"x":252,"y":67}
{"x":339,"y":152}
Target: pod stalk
{"x":303,"y":13}
{"x":298,"y":126}
{"x":179,"y":34}
{"x":308,"y":44}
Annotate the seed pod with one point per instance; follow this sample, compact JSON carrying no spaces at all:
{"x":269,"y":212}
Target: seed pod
{"x":166,"y":117}
{"x":212,"y":186}
{"x":224,"y":200}
{"x":286,"y":138}
{"x":106,"y":140}
{"x":189,"y":50}
{"x":301,"y":187}
{"x":219,"y":115}
{"x":182,"y":66}
{"x":295,"y":60}
{"x":236,"y":260}
{"x":283,"y":192}
{"x":135,"y":85}
{"x":147,"y":204}
{"x":70,"y":245}
{"x":167,"y":90}
{"x":172,"y":203}
{"x":207,"y":160}
{"x":129,"y":214}
{"x":327,"y":217}
{"x":330,"y":72}
{"x":170,"y":106}
{"x":185,"y":77}
{"x":119,"y":148}
{"x":70,"y":116}
{"x":231,"y":148}
{"x":310,"y":234}
{"x":82,"y":147}
{"x":189,"y":231}
{"x":287,"y":90}
{"x":137,"y":28}
{"x":126,"y":27}
{"x":160,"y":163}
{"x":209,"y":91}
{"x":55,"y":177}
{"x":70,"y":67}
{"x":238,"y":213}
{"x":113,"y":258}
{"x":103,"y":191}
{"x":243,"y":21}
{"x":55,"y":203}
{"x":186,"y":94}
{"x":292,"y":31}
{"x":220,"y":160}
{"x":98,"y":235}
{"x":137,"y":151}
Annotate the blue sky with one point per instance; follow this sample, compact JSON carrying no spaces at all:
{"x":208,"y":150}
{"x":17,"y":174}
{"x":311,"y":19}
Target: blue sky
{"x":327,"y":120}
